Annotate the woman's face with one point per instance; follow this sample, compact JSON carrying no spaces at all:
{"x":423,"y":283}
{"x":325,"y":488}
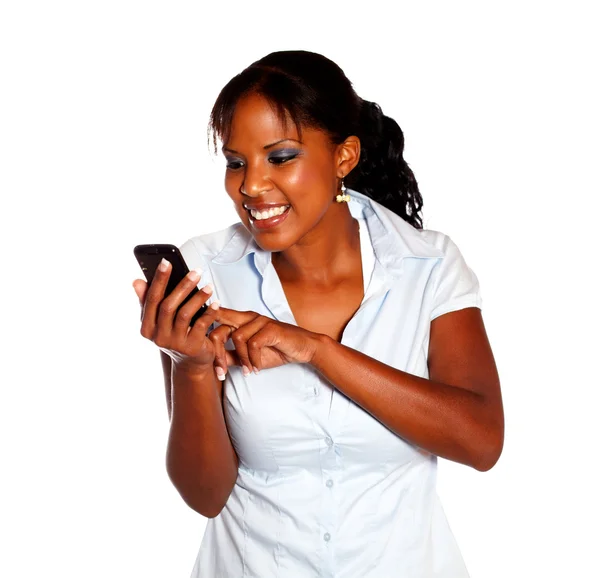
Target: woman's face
{"x":268,"y":165}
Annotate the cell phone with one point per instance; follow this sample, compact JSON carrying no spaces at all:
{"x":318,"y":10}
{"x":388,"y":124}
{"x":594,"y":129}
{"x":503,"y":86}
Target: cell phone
{"x":149,"y":257}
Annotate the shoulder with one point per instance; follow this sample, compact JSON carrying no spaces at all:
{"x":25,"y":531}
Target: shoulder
{"x":413,"y":242}
{"x":428,"y":242}
{"x":451,"y":256}
{"x":436,"y":243}
{"x":438,"y":240}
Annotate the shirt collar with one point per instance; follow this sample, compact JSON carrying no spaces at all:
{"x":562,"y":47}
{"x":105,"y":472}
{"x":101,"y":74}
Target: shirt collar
{"x":392,"y":238}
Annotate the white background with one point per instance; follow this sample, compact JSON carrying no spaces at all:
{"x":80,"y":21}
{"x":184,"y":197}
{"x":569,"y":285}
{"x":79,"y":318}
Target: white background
{"x":103,"y":116}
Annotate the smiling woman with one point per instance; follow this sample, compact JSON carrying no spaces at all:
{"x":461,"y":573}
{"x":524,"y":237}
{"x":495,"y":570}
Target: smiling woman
{"x":363,"y":330}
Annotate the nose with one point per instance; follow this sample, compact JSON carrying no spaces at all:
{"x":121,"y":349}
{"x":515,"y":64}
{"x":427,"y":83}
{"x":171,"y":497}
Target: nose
{"x":256,"y":181}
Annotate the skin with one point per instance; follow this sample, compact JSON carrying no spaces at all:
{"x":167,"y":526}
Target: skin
{"x":457,"y":413}
{"x":319,"y":243}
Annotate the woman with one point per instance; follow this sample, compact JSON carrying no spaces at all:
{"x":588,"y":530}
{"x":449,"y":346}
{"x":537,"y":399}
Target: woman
{"x":343,"y":351}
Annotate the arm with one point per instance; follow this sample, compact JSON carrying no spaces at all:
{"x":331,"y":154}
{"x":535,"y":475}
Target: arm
{"x":457,"y":413}
{"x":201,"y":461}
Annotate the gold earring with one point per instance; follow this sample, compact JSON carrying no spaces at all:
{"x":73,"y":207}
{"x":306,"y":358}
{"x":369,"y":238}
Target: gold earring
{"x":343,"y":197}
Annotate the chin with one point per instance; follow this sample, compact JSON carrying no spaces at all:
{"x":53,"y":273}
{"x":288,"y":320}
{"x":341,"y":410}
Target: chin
{"x":271,"y":246}
{"x":269,"y":242}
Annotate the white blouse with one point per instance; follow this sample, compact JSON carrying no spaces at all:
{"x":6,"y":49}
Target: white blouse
{"x":325,"y":489}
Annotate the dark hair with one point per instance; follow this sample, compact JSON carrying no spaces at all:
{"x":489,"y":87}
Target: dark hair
{"x":315,"y":92}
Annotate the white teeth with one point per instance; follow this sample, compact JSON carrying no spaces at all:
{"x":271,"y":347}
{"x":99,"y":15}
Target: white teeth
{"x":268,"y":214}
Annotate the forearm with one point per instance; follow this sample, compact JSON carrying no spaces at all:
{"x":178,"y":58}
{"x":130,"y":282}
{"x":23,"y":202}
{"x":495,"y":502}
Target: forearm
{"x":451,"y":422}
{"x":201,"y":461}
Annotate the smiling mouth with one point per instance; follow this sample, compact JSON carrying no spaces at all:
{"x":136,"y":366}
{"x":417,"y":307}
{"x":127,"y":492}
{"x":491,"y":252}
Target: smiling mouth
{"x":268,"y":219}
{"x":266,"y":215}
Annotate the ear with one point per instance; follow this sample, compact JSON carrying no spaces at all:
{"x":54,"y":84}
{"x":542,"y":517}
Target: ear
{"x":348,"y":155}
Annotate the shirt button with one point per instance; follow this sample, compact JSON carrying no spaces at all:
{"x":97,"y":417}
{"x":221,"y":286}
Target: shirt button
{"x":329,"y":441}
{"x":329,"y":483}
{"x":327,"y":537}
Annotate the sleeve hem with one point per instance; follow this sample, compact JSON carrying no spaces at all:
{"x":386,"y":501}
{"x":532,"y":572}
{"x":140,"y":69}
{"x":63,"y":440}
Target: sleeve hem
{"x":457,"y":304}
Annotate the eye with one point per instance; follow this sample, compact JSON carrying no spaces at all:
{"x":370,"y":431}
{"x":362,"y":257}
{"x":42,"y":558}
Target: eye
{"x":234,"y":164}
{"x":283,"y":156}
{"x":281,"y":160}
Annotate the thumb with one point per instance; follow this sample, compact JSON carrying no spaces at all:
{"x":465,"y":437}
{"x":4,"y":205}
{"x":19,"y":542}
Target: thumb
{"x":140,"y":287}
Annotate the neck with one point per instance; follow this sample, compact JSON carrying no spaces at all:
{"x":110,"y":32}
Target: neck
{"x":326,"y":255}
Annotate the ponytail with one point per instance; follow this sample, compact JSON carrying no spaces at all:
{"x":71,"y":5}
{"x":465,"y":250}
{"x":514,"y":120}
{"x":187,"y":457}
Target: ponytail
{"x":382,"y":173}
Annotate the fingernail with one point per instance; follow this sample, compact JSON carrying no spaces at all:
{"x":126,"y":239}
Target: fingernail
{"x":163,"y":265}
{"x":208,"y":288}
{"x":193,"y":276}
{"x":198,"y":270}
{"x":215,"y":304}
{"x":245,"y":370}
{"x":255,"y":369}
{"x":220,"y":374}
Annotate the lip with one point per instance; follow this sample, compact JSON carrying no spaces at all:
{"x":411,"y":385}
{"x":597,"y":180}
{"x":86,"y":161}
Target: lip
{"x":268,"y":223}
{"x":264,"y":206}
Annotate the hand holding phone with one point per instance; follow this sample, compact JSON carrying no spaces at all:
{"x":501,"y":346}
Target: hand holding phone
{"x":149,"y":258}
{"x":174,"y":314}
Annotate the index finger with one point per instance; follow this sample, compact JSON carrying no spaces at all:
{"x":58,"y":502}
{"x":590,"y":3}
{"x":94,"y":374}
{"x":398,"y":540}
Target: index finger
{"x":235,"y":318}
{"x":223,"y":357}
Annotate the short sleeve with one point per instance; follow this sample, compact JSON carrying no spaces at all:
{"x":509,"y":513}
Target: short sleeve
{"x":456,"y":286}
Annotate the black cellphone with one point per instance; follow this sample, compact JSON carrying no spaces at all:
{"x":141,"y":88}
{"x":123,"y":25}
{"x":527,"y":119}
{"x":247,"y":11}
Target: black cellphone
{"x":149,"y":257}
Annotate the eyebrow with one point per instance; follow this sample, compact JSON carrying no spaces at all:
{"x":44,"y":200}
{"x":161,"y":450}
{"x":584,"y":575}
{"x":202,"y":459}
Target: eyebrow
{"x":266,"y":147}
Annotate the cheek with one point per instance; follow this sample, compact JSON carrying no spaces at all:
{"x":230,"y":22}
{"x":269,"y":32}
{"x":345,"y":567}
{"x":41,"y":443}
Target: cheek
{"x":308,"y":177}
{"x":232,"y":188}
{"x":233,"y":182}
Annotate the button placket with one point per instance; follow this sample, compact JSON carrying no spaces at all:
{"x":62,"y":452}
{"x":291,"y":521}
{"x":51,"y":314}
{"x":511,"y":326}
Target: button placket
{"x":330,"y":465}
